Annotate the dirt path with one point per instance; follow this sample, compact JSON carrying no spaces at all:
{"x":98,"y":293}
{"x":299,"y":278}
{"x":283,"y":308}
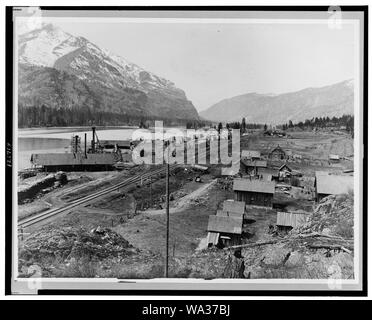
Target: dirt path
{"x":184,"y":202}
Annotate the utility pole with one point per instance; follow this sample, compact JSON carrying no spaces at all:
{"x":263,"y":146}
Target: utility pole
{"x":150,"y":192}
{"x":167,"y":214}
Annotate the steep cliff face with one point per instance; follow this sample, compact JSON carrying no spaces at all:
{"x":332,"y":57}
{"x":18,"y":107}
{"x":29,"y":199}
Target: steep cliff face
{"x":58,"y":69}
{"x":334,"y":100}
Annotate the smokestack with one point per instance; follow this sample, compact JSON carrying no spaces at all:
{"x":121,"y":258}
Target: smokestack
{"x":94,"y":139}
{"x":85,"y":145}
{"x":76,"y":143}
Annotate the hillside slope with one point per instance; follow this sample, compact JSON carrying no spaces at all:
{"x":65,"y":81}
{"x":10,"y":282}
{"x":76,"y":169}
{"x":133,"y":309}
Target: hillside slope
{"x":65,"y":70}
{"x":333,"y":100}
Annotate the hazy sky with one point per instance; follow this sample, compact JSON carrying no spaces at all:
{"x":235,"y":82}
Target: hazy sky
{"x":211,"y":62}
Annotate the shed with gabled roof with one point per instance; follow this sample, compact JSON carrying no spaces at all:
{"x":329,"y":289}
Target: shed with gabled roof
{"x":254,"y":192}
{"x":250,"y":166}
{"x":234,"y":206}
{"x":290,"y":219}
{"x":224,"y":230}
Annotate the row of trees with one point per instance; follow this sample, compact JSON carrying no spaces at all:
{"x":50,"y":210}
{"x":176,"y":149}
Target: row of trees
{"x":346,"y":121}
{"x":83,"y":116}
{"x":243,"y":126}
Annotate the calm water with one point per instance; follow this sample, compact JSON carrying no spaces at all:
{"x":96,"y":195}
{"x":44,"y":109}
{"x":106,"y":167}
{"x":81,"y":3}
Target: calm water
{"x":58,"y":140}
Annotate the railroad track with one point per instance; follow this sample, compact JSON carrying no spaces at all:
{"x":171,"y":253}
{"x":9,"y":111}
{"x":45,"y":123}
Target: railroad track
{"x":26,"y":222}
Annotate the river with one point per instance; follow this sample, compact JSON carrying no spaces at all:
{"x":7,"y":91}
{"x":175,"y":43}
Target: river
{"x":58,"y":140}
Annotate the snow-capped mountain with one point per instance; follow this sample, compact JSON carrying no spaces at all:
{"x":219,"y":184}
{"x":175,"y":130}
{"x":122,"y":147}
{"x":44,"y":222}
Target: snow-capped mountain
{"x":333,"y":100}
{"x":108,"y":75}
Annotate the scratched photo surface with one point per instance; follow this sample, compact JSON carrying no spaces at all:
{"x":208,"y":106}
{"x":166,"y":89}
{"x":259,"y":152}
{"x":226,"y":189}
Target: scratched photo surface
{"x":201,"y":149}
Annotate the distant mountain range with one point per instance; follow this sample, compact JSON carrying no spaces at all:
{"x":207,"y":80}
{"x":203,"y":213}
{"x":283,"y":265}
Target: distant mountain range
{"x":334,"y":100}
{"x":57,"y":69}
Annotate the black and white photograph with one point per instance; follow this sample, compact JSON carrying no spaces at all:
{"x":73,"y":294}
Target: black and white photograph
{"x":187,"y":149}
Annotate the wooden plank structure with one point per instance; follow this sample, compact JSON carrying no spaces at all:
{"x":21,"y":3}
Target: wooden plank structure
{"x":75,"y":161}
{"x":252,"y":166}
{"x":290,"y":219}
{"x":121,"y":144}
{"x":254,"y":192}
{"x":277,"y":154}
{"x":213,"y":238}
{"x":231,"y":206}
{"x":224,"y":230}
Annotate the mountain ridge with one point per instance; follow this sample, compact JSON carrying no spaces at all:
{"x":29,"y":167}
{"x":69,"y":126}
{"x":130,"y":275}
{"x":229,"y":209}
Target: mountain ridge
{"x":331,"y":100}
{"x":102,"y":71}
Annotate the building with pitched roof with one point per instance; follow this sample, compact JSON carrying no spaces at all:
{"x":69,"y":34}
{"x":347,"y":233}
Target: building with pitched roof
{"x":224,"y":230}
{"x":235,"y":207}
{"x":254,"y":192}
{"x":251,"y":154}
{"x":277,"y":154}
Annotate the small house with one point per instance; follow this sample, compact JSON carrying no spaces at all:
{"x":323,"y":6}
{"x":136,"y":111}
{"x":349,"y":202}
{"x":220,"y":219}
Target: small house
{"x":328,"y":184}
{"x":254,"y":192}
{"x":224,"y":231}
{"x":288,"y":220}
{"x":277,"y":154}
{"x":251,"y":167}
{"x":285,"y":172}
{"x":268,"y":174}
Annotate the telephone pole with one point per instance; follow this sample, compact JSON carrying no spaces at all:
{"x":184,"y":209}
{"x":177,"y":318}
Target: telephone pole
{"x":167,"y":214}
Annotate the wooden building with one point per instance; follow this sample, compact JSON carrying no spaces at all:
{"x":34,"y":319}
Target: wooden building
{"x":251,"y":155}
{"x":224,"y":231}
{"x":251,"y":167}
{"x":328,"y":184}
{"x":120,"y":144}
{"x":285,"y":173}
{"x":265,"y":173}
{"x":277,"y":154}
{"x":290,"y":220}
{"x":77,"y":161}
{"x":234,"y":208}
{"x":254,"y":192}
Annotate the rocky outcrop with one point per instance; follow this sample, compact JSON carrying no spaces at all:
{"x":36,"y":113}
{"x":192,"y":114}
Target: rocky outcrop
{"x":57,"y":245}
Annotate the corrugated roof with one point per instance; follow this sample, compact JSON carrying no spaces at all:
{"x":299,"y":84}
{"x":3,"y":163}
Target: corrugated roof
{"x":333,"y":184}
{"x":62,"y":159}
{"x":225,"y":224}
{"x":251,"y":154}
{"x":254,"y":186}
{"x":290,"y":219}
{"x":234,"y":206}
{"x":221,"y":213}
